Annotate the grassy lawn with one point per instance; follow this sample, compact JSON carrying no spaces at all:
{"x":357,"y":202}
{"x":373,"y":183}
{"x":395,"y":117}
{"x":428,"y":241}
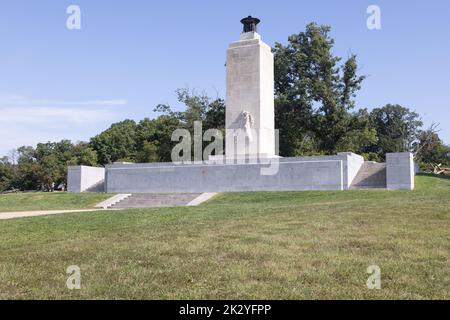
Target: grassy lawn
{"x":49,"y":201}
{"x":294,"y":245}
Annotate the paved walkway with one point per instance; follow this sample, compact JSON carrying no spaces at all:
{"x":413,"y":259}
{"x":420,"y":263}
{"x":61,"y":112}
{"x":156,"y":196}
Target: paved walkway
{"x":149,"y":201}
{"x":24,"y":214}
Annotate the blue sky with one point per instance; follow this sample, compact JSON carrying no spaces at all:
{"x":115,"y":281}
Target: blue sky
{"x":131,"y":55}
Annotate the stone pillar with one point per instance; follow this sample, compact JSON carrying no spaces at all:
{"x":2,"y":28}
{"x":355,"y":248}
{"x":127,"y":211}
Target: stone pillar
{"x":400,"y":171}
{"x":250,"y":97}
{"x":85,"y":179}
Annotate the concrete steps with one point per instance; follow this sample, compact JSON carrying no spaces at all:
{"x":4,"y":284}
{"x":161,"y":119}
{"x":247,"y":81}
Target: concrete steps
{"x":109,"y":203}
{"x":154,"y":200}
{"x":372,"y":175}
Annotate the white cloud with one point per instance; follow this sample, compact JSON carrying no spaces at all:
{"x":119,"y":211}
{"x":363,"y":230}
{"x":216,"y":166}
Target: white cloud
{"x":12,"y":137}
{"x":25,"y":121}
{"x":17,"y":100}
{"x":49,"y":115}
{"x":116,"y":102}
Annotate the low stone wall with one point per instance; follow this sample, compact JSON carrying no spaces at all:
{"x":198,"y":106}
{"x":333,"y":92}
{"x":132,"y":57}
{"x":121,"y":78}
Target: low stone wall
{"x":289,"y":174}
{"x":293,"y":174}
{"x":85,"y":179}
{"x":400,"y":171}
{"x":351,"y":163}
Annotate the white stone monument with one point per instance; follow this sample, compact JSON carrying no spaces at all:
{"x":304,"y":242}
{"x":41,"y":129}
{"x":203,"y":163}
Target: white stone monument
{"x":250,"y":117}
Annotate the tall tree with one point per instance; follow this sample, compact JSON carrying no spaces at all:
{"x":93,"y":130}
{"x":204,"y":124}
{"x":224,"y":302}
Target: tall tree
{"x":197,"y":107}
{"x":397,"y":128}
{"x":6,"y":174}
{"x":430,"y":149}
{"x":359,"y":135}
{"x":116,"y":143}
{"x":154,"y":138}
{"x":83,"y":155}
{"x":28,"y":170}
{"x":314,"y":93}
{"x":215,"y":115}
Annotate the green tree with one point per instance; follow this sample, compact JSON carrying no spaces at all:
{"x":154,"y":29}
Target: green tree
{"x":196,"y":107}
{"x":28,"y":170}
{"x":359,"y":136}
{"x":53,"y":159}
{"x":154,"y":138}
{"x":46,"y":166}
{"x":148,"y":153}
{"x":50,"y":157}
{"x":314,"y":93}
{"x":116,"y":143}
{"x":397,"y":128}
{"x":211,"y":113}
{"x":215,"y":115}
{"x":6,"y":174}
{"x":429,"y":148}
{"x":83,"y":155}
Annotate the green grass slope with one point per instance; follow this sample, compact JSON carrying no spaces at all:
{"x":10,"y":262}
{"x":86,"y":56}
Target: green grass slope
{"x":294,"y":245}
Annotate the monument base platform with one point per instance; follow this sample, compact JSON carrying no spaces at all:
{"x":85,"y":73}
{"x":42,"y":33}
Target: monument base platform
{"x":271,"y":174}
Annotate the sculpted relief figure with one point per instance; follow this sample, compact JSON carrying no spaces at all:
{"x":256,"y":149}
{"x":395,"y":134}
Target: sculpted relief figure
{"x":247,"y":123}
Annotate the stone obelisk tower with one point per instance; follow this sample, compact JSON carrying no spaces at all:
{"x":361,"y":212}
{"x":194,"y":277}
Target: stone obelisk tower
{"x":250,"y":95}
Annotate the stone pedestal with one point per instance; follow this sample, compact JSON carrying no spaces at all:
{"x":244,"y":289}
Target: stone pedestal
{"x":85,"y":179}
{"x":250,"y":98}
{"x":400,"y":171}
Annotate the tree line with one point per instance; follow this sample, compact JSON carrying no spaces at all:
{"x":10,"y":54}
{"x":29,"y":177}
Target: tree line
{"x":315,"y":113}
